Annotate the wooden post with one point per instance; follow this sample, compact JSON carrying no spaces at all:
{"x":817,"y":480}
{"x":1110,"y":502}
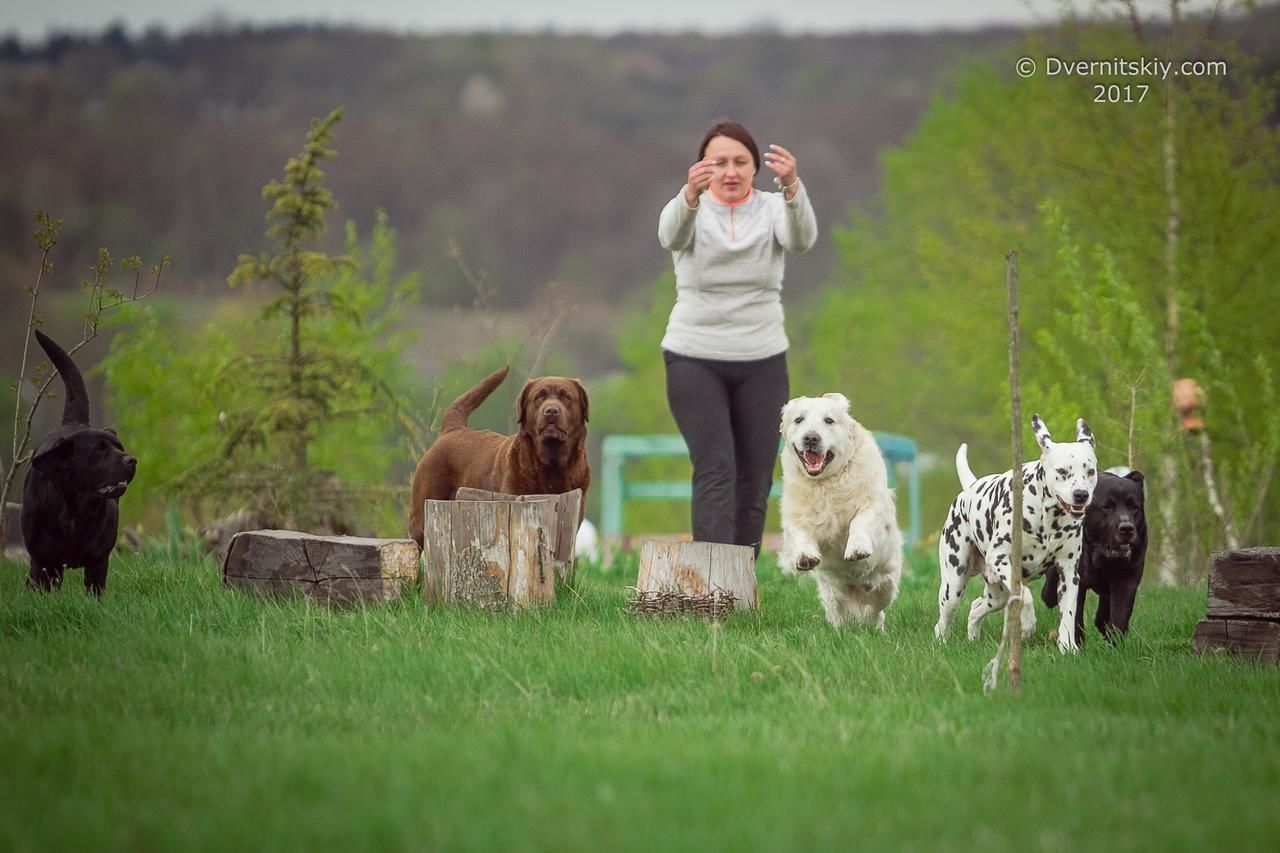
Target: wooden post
{"x":695,"y":577}
{"x":330,"y":569}
{"x":495,"y":555}
{"x":1243,"y":608}
{"x":1012,"y":634}
{"x":567,"y":510}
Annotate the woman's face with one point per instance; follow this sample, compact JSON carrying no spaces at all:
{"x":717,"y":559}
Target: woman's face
{"x":734,"y":169}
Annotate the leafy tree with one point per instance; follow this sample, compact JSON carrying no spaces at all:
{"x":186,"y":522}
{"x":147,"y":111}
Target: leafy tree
{"x":913,"y":327}
{"x":302,"y":411}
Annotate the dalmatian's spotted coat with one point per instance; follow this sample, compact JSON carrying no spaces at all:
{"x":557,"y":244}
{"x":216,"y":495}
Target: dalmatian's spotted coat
{"x":977,"y":535}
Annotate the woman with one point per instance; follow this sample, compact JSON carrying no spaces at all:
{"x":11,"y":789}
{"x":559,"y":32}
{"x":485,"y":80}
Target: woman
{"x":725,"y":348}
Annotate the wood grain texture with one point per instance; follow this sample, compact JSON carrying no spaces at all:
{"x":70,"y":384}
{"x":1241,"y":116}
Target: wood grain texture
{"x":567,"y":509}
{"x":491,"y":554}
{"x":329,"y":569}
{"x":1258,"y":639}
{"x":698,"y":569}
{"x":1245,"y":583}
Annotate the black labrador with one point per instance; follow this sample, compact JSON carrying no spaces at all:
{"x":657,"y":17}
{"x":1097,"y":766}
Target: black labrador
{"x":1114,"y":554}
{"x":70,"y":509}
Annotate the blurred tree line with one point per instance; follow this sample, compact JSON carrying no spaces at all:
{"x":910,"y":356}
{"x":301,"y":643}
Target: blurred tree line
{"x":547,"y":158}
{"x":1149,"y":248}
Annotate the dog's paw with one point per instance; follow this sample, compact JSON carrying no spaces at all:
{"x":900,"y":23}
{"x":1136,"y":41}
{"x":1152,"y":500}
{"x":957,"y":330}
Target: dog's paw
{"x":807,"y":560}
{"x":1067,"y":642}
{"x":858,"y":548}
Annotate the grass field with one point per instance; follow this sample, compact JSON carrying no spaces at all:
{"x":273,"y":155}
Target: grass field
{"x":175,"y":714}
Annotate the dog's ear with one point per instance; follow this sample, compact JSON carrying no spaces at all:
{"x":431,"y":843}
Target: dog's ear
{"x":1137,"y":477}
{"x":53,"y":457}
{"x":839,"y":398}
{"x":1083,"y":433}
{"x":521,"y":401}
{"x":582,"y":399}
{"x":1043,"y":438}
{"x":784,"y":416}
{"x":112,"y":431}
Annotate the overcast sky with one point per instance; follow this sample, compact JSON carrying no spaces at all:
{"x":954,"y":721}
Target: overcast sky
{"x":35,"y":18}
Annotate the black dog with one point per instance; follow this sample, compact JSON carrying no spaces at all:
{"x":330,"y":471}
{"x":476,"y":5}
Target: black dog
{"x":1114,"y":554}
{"x":70,"y":514}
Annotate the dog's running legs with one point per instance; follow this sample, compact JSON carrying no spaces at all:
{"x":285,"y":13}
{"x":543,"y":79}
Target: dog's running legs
{"x":798,"y":550}
{"x":953,"y":569}
{"x":993,"y":598}
{"x":1069,"y":600}
{"x":1113,"y":622}
{"x":95,"y":576}
{"x":1028,"y":612}
{"x":45,"y":578}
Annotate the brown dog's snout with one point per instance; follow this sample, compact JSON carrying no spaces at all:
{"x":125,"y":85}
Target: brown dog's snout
{"x":551,"y":412}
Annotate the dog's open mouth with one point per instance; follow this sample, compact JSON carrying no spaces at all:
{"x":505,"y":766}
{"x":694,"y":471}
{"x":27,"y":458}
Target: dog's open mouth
{"x":113,"y":490}
{"x":1075,"y":510}
{"x":814,"y":463}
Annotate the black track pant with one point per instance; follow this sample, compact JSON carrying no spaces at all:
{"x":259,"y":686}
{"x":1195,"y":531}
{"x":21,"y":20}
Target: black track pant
{"x":728,"y":413}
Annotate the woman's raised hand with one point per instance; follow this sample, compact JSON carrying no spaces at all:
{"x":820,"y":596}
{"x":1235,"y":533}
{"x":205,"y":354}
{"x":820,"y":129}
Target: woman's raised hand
{"x":699,"y":179}
{"x":783,"y":165}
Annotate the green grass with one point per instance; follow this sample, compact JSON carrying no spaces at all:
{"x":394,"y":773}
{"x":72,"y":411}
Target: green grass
{"x":176,"y":714}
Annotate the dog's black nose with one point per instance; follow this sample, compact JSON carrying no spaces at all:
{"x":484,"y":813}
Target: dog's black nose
{"x":1127,"y":529}
{"x":1081,"y":496}
{"x":131,"y":464}
{"x":812,"y":441}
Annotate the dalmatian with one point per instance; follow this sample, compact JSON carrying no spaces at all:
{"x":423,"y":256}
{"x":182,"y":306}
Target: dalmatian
{"x":977,"y":535}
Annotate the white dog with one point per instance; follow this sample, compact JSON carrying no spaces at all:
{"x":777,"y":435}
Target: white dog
{"x":838,"y":513}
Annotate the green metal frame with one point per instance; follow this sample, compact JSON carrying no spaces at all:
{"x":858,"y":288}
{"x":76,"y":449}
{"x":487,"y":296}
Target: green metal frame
{"x":615,"y":490}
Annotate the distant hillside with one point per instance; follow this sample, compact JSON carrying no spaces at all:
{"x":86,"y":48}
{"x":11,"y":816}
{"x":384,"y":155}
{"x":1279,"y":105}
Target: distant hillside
{"x":545,"y":157}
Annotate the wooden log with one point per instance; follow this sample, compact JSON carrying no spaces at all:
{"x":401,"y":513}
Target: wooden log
{"x":1253,"y":638}
{"x":492,"y":554}
{"x":567,"y":509}
{"x":330,"y":569}
{"x":698,"y":570}
{"x":1245,"y":583}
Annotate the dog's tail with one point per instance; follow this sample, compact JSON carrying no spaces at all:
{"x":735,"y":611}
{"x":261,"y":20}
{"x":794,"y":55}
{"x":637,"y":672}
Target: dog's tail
{"x":455,"y":417}
{"x":962,"y":467}
{"x":76,"y":408}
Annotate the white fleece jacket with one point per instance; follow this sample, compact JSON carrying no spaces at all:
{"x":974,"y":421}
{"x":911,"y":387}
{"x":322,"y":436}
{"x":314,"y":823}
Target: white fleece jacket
{"x":728,"y":261}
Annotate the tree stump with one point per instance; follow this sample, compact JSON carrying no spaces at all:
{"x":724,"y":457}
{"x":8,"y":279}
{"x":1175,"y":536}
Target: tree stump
{"x":705,"y":578}
{"x":1243,"y":609}
{"x":494,"y":554}
{"x":567,"y":510}
{"x":330,"y":569}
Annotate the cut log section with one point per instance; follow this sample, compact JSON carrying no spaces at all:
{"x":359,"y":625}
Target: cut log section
{"x":494,"y":555}
{"x":329,"y":569}
{"x":567,"y":508}
{"x":1258,"y":639}
{"x":1244,"y":605}
{"x":697,"y":577}
{"x":1245,"y":584}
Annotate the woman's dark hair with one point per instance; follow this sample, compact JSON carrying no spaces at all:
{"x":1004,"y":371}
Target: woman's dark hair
{"x":735,"y":131}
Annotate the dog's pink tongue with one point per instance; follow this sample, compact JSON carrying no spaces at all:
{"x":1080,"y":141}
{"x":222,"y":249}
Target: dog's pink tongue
{"x":813,"y":461}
